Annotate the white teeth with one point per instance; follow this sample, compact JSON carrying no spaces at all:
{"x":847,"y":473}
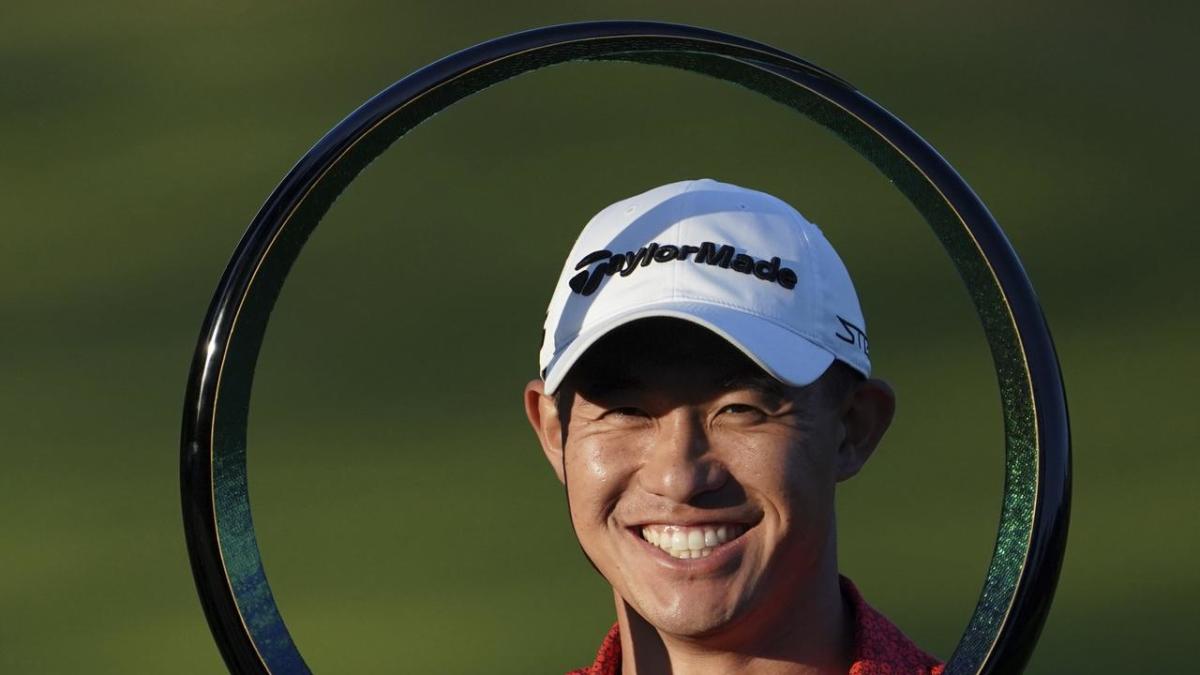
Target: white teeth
{"x":687,"y":543}
{"x":678,"y":540}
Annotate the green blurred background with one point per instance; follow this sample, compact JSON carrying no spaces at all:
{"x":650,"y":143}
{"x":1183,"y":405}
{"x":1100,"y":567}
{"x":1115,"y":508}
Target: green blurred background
{"x":406,"y":518}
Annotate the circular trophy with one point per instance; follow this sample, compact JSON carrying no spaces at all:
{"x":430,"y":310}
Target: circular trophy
{"x":1031,"y":538}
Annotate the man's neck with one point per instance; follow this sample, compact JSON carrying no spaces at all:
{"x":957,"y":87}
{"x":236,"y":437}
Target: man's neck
{"x":811,"y":635}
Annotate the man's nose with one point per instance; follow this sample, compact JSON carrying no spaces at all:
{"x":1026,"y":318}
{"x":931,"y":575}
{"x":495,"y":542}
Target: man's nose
{"x":680,"y":464}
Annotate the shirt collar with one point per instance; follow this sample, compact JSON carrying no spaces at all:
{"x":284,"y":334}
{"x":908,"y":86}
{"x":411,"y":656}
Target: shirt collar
{"x":880,"y":648}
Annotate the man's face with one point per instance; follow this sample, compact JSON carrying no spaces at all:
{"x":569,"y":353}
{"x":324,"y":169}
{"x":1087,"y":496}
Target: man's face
{"x":702,"y":489}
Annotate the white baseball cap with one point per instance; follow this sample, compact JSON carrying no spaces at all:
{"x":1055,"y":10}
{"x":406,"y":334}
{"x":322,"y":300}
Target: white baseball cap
{"x":738,"y":262}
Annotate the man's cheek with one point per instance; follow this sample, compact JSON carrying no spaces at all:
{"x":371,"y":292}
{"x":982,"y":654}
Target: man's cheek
{"x":588,"y":531}
{"x":596,"y":461}
{"x":590,"y":499}
{"x":808,"y":466}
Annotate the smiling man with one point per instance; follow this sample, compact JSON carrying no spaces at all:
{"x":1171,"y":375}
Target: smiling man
{"x":705,"y":386}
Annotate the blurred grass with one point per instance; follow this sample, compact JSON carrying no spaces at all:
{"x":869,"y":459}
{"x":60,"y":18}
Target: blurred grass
{"x":400,"y":501}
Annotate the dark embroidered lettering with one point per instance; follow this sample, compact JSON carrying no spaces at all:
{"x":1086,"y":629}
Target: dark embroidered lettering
{"x":628,"y":264}
{"x":650,"y":253}
{"x":586,"y":282}
{"x":666,"y":253}
{"x":614,"y":264}
{"x":709,"y":254}
{"x":767,"y":270}
{"x":577,"y":282}
{"x":854,"y":335}
{"x":592,"y":257}
{"x":743,"y":263}
{"x":593,"y":281}
{"x":787,"y":278}
{"x":642,"y":258}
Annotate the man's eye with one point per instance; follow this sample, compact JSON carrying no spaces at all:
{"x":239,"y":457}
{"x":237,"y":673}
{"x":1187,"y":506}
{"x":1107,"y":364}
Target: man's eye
{"x":626,"y":411}
{"x":739,"y":408}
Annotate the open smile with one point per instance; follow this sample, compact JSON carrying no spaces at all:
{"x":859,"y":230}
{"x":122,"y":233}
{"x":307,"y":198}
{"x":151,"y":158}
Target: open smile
{"x":691,"y":541}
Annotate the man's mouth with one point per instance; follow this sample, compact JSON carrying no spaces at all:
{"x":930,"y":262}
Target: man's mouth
{"x":685,"y":542}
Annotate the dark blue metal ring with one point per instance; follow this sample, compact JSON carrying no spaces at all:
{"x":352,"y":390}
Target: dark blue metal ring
{"x":1031,"y":539}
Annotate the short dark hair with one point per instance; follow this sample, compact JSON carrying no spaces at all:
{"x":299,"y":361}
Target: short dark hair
{"x":836,"y":383}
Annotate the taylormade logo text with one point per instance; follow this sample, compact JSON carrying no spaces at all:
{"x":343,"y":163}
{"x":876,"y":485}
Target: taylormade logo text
{"x":707,"y":253}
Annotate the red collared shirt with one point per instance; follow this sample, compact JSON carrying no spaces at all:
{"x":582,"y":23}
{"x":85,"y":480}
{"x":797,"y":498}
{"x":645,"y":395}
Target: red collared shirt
{"x":879,"y":646}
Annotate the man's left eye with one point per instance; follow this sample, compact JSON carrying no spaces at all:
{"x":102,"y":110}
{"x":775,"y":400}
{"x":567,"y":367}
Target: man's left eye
{"x":739,"y":408}
{"x":625,"y":411}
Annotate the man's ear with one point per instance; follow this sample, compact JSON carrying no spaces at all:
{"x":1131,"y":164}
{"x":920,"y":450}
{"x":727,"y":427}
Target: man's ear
{"x":542,"y":412}
{"x":866,"y":414}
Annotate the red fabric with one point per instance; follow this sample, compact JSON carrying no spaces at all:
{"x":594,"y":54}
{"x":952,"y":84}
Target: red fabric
{"x":879,"y":646}
{"x":608,"y":658}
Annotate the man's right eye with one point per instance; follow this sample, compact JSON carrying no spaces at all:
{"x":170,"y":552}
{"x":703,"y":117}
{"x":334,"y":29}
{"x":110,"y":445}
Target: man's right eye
{"x":625,"y":411}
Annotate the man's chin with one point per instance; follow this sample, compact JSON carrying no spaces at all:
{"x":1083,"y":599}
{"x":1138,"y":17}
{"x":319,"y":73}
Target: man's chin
{"x":684,"y":618}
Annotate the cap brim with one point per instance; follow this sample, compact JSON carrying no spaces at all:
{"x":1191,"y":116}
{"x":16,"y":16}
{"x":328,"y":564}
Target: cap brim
{"x":785,"y":355}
